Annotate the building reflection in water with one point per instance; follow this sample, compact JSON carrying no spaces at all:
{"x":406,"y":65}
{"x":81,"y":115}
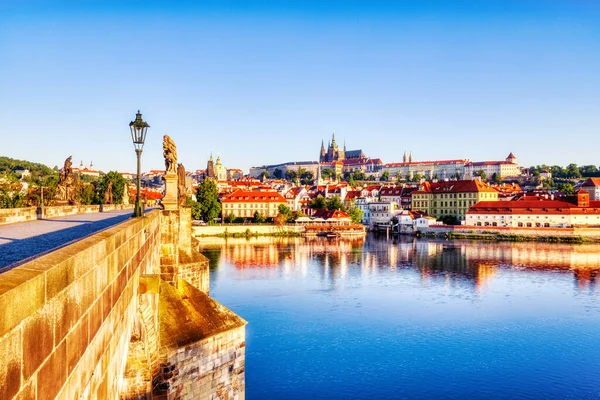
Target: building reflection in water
{"x":450,"y":262}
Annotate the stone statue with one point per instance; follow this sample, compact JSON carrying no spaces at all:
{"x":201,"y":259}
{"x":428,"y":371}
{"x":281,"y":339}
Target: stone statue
{"x":126,"y":194}
{"x":108,"y":194}
{"x":66,"y":188}
{"x":181,"y":191}
{"x":170,"y":154}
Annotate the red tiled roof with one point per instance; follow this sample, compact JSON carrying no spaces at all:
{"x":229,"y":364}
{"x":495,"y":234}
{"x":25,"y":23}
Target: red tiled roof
{"x":525,"y":206}
{"x":484,"y":163}
{"x":331,"y":214}
{"x":352,"y":194}
{"x":241,"y":196}
{"x":591,"y":182}
{"x":464,"y":186}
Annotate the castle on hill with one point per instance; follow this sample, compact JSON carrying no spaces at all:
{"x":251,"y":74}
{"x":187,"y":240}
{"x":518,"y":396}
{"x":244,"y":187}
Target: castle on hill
{"x":334,"y":153}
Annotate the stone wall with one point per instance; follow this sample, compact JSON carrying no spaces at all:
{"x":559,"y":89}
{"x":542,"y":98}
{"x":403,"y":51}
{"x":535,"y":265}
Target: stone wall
{"x":113,"y":207}
{"x":590,"y":233}
{"x":68,"y":316}
{"x":214,"y":230}
{"x":202,"y":347}
{"x":13,"y":215}
{"x":61,"y":211}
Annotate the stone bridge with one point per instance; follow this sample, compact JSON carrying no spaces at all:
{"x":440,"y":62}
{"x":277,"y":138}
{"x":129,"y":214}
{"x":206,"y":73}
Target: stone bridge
{"x":122,"y":314}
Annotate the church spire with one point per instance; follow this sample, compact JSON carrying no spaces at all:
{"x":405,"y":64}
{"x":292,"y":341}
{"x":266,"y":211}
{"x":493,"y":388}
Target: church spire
{"x":404,"y":158}
{"x":322,"y":147}
{"x":410,"y":158}
{"x":333,"y":139}
{"x":344,"y":145}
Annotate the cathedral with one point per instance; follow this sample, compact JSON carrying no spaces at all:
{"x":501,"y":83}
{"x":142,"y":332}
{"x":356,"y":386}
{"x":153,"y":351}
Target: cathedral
{"x":334,"y":153}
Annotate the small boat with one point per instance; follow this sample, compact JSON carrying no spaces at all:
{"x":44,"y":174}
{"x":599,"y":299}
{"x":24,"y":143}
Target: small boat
{"x":332,"y":235}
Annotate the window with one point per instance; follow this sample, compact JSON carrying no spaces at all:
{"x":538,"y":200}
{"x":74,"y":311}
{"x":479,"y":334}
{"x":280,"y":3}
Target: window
{"x":520,"y":224}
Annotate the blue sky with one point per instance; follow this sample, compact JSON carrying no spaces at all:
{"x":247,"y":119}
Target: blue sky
{"x":262,"y":82}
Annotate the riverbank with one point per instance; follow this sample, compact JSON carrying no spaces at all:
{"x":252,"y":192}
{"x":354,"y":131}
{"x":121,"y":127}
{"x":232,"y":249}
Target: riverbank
{"x":552,"y":235}
{"x":271,"y":230}
{"x":234,"y":231}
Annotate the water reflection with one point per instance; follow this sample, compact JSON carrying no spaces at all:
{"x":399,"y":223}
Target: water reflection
{"x":447,"y":262}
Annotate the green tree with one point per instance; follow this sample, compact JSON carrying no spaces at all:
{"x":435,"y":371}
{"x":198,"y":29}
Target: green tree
{"x":230,"y":219}
{"x":208,"y":201}
{"x":566,"y":188}
{"x":286,"y":211}
{"x":318,"y":203}
{"x":589,"y":171}
{"x":356,"y":213}
{"x":280,"y":220}
{"x":573,"y":171}
{"x":87,"y":194}
{"x":335,"y":203}
{"x":351,"y":181}
{"x":259,"y":218}
{"x":358,"y":175}
{"x":496,"y":178}
{"x":291,"y":174}
{"x":278,"y":173}
{"x":480,"y":174}
{"x":449,"y":220}
{"x":417,"y":178}
{"x":265,"y":175}
{"x":326,"y":173}
{"x":118,"y":186}
{"x":385,"y":176}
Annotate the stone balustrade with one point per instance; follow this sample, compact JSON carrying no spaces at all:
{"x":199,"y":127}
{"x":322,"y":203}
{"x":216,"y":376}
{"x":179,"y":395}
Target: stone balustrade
{"x":122,"y":314}
{"x":14,"y":215}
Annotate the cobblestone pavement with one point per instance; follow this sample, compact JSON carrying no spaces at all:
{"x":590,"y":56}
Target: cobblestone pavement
{"x":24,"y":240}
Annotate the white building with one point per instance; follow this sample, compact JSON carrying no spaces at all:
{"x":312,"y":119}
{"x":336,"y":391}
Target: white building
{"x":535,"y":212}
{"x":382,"y":212}
{"x":441,"y":169}
{"x":501,"y":169}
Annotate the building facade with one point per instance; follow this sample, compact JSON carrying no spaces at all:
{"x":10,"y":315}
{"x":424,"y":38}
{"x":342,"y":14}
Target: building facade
{"x":453,"y":198}
{"x":592,"y":186}
{"x":244,"y":204}
{"x":501,"y":169}
{"x":442,"y":169}
{"x":535,"y":212}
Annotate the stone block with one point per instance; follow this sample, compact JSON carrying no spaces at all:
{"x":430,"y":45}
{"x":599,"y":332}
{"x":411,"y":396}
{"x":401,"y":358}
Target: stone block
{"x":22,"y":292}
{"x":10,"y":364}
{"x":38,"y":340}
{"x":28,"y":392}
{"x":53,"y":373}
{"x":77,"y":341}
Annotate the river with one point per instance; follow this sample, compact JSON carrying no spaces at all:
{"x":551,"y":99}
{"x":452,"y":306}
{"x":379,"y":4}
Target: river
{"x":372,"y":318}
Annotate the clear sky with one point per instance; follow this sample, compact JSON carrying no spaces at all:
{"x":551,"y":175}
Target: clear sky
{"x":263,"y":82}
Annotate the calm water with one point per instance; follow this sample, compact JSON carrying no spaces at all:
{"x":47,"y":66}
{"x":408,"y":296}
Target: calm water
{"x":426,"y":319}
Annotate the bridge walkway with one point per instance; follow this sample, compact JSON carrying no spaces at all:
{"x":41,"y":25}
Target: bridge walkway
{"x":22,"y":241}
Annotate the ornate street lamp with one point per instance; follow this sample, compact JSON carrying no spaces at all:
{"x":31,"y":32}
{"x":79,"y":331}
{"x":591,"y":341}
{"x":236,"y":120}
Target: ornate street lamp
{"x":138,"y":128}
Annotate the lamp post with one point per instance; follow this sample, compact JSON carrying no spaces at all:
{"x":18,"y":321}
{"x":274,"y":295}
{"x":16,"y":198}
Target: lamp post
{"x":138,"y":128}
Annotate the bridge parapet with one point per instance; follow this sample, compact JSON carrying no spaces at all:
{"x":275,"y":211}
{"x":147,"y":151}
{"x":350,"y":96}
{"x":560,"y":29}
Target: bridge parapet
{"x":67,"y":316}
{"x":112,"y":316}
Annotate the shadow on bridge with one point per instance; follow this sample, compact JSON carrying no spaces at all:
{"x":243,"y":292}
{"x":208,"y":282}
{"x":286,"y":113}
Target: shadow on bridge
{"x":18,"y":251}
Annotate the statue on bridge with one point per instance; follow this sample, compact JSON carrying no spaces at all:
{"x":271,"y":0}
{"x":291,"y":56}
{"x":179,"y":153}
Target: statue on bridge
{"x":171,"y":199}
{"x":67,"y":187}
{"x":170,"y":154}
{"x":108,"y":194}
{"x":181,"y":191}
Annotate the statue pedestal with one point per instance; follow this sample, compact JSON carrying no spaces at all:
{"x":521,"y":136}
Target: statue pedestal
{"x":170,"y":202}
